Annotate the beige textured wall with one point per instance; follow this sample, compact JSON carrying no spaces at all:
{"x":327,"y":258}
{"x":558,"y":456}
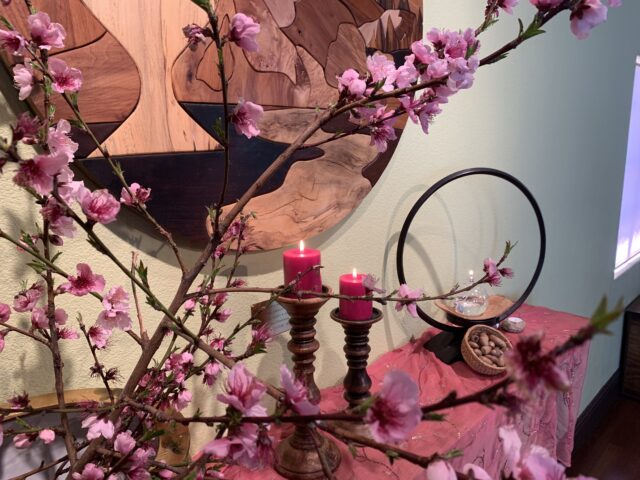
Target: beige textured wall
{"x":555,"y":114}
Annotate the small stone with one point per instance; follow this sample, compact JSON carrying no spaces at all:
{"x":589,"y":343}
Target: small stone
{"x":501,"y":361}
{"x":513,"y":325}
{"x":485,"y":349}
{"x":496,"y":353}
{"x":477,"y":351}
{"x":484,"y":339}
{"x":498,"y":341}
{"x":486,"y":360}
{"x":493,"y":359}
{"x":492,"y":344}
{"x":475,"y":338}
{"x":474,"y":345}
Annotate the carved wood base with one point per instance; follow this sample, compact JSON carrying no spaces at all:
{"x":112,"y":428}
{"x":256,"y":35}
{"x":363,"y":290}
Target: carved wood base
{"x":298,"y":459}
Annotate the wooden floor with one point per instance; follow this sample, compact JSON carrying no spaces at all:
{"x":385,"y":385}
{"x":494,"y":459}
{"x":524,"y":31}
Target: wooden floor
{"x":613,"y":450}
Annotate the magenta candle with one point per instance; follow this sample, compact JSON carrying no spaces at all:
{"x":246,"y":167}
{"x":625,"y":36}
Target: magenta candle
{"x":300,"y":260}
{"x":351,"y":284}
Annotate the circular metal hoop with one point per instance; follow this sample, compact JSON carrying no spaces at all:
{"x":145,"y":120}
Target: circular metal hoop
{"x":428,"y":194}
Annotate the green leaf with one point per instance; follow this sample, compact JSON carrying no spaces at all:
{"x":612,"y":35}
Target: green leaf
{"x":352,"y":450}
{"x":37,"y":266}
{"x":143,"y":272}
{"x":391,"y":455}
{"x":520,"y":27}
{"x":6,"y":22}
{"x":452,"y":454}
{"x":603,"y":317}
{"x":433,"y":417}
{"x":55,"y":257}
{"x":151,"y":434}
{"x":203,"y":4}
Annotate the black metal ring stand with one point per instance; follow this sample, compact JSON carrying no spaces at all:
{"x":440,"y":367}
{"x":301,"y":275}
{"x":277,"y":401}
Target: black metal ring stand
{"x":446,"y":345}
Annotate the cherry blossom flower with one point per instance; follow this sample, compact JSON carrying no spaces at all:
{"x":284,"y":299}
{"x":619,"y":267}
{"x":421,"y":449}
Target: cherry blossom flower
{"x":195,"y":35}
{"x":506,"y":272}
{"x":140,"y":195}
{"x":13,"y":42}
{"x":72,"y":191}
{"x":438,"y":470}
{"x":244,"y":31}
{"x":23,"y":80}
{"x":545,"y":4}
{"x":67,"y":333}
{"x":530,"y":368}
{"x":260,"y":336}
{"x":381,"y":126}
{"x":585,"y":16}
{"x":243,"y":392}
{"x":370,"y":283}
{"x":423,"y":52}
{"x":406,"y":292}
{"x":89,"y":472}
{"x":532,"y":464}
{"x":407,"y":73}
{"x":478,"y":473}
{"x":507,"y":5}
{"x":98,"y":427}
{"x":59,"y":141}
{"x":99,"y":336}
{"x":351,"y":82}
{"x":100,"y":206}
{"x":27,"y":129}
{"x":25,"y":300}
{"x":45,"y":33}
{"x":47,"y":435}
{"x":179,"y":364}
{"x":124,"y":443}
{"x":211,"y":372}
{"x":296,"y":394}
{"x":222,"y":315}
{"x":461,"y":72}
{"x":182,"y":400}
{"x":85,"y":282}
{"x":20,"y":401}
{"x":39,"y":318}
{"x":382,"y":70}
{"x":24,"y":440}
{"x":396,"y":411}
{"x":59,"y":224}
{"x":38,"y":172}
{"x":245,"y":118}
{"x":247,"y":446}
{"x":116,"y":312}
{"x":65,"y":78}
{"x":5,"y":312}
{"x":493,"y":275}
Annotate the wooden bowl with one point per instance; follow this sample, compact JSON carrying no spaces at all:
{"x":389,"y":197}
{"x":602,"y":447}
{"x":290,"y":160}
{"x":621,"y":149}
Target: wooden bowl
{"x":497,"y":306}
{"x":474,"y":360}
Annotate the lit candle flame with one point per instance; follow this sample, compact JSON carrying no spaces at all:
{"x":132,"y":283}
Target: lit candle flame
{"x":355,"y":273}
{"x":302,"y":245}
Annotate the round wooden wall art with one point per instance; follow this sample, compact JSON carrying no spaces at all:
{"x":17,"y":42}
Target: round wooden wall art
{"x":154,"y":102}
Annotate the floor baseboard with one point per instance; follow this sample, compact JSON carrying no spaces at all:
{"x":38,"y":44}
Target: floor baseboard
{"x":597,"y":410}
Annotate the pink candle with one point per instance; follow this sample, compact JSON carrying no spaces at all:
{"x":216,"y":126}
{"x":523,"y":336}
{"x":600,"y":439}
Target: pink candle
{"x":300,"y":260}
{"x":351,"y":284}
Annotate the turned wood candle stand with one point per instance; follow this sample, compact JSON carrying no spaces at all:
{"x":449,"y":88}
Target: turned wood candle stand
{"x":357,"y":383}
{"x":297,"y":456}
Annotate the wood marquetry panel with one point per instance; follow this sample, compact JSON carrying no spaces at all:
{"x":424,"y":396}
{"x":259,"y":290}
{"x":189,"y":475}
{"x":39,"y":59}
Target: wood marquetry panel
{"x":154,"y":103}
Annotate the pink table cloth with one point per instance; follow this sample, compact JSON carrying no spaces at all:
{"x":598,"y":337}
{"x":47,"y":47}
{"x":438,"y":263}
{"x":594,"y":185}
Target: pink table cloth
{"x":473,"y":428}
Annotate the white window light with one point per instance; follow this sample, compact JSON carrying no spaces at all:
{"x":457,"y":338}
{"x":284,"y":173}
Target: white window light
{"x":628,"y":248}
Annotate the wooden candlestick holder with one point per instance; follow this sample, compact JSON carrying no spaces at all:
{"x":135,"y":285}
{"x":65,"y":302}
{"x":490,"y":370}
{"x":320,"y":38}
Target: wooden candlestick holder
{"x":357,"y":383}
{"x":297,"y":455}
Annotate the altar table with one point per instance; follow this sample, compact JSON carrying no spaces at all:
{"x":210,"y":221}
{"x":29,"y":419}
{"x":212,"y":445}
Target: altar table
{"x":473,"y":428}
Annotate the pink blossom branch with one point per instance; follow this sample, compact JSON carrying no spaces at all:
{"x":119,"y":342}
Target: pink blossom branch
{"x":97,"y":365}
{"x":143,"y":333}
